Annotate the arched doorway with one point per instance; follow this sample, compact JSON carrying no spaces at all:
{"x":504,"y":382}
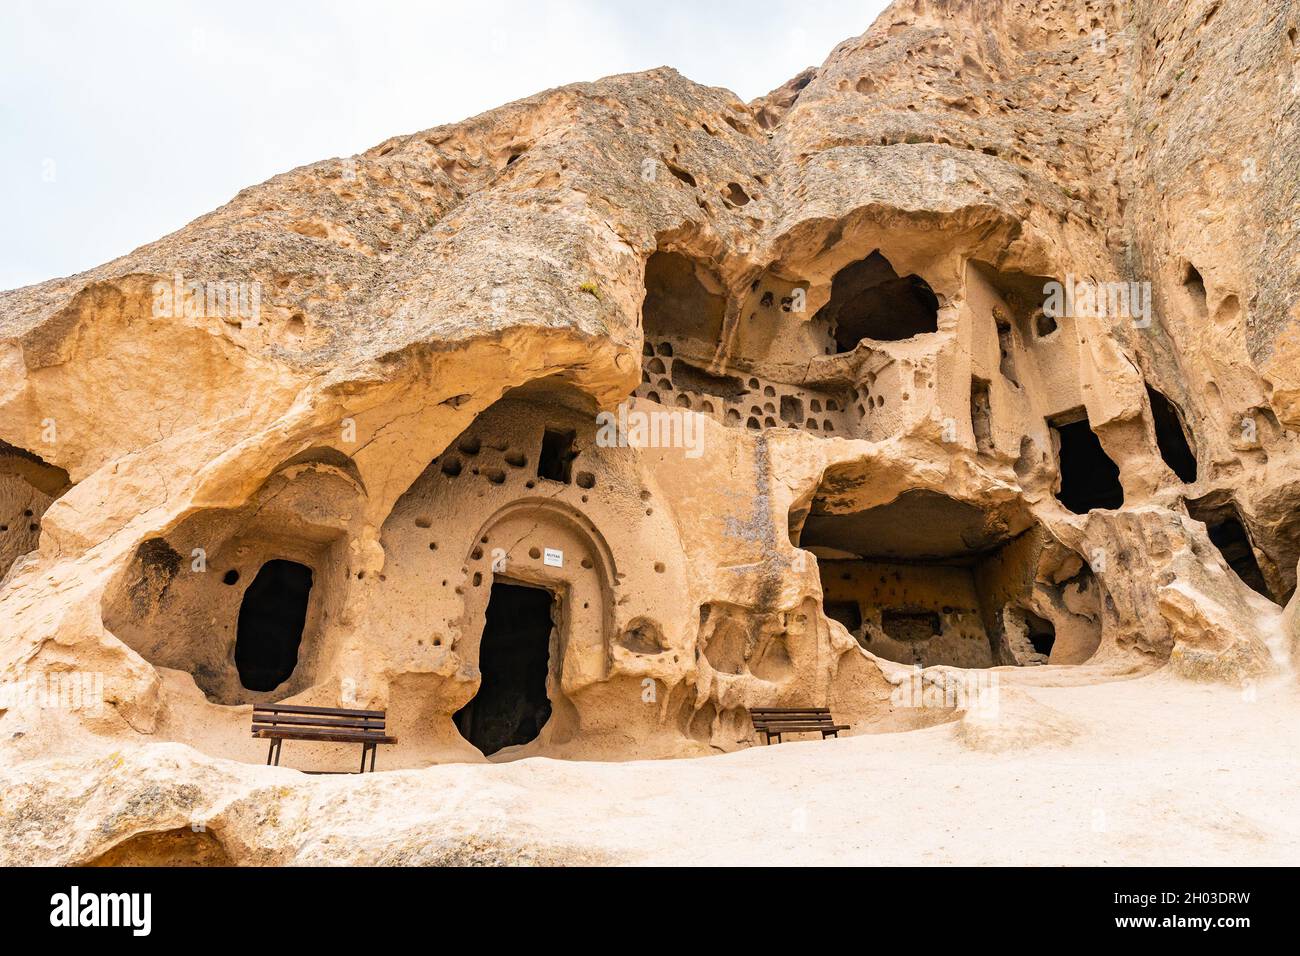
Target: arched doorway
{"x":535,"y":622}
{"x":271,"y":620}
{"x":512,"y":704}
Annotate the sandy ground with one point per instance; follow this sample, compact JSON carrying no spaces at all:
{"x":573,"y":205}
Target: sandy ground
{"x":1153,"y":770}
{"x":1161,"y":772}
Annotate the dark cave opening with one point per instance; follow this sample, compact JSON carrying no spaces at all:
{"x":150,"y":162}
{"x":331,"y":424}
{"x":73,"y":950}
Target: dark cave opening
{"x":1044,"y":324}
{"x":1171,"y":437}
{"x":1228,"y":534}
{"x":1089,"y":477}
{"x":555,"y":462}
{"x":848,"y":613}
{"x":920,"y":579}
{"x":511,"y":705}
{"x":981,"y":415}
{"x":271,"y":620}
{"x":1040,"y":632}
{"x":1195,"y":286}
{"x":869,"y":300}
{"x":1006,"y":351}
{"x":792,"y":410}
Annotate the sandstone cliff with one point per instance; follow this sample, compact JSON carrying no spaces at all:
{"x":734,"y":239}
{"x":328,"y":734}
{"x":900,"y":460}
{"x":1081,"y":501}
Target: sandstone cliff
{"x":893,"y":450}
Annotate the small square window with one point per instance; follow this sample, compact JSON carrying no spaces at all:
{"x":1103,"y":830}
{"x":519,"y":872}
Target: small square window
{"x":556,"y":459}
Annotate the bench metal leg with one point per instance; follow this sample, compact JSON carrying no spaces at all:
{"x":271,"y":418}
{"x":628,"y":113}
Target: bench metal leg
{"x":368,"y":750}
{"x":274,"y":751}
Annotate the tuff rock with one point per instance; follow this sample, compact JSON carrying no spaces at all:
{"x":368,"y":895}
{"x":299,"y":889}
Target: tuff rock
{"x":874,"y":453}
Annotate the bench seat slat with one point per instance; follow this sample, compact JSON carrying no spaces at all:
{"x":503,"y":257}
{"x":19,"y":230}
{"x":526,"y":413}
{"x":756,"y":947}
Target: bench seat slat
{"x":795,"y":719}
{"x":367,"y":723}
{"x":319,"y":711}
{"x":803,"y":728}
{"x":341,"y":736}
{"x":317,"y":729}
{"x":789,"y":710}
{"x":792,"y":717}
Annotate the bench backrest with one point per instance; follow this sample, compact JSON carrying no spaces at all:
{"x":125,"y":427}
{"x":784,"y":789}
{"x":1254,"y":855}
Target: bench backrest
{"x":298,"y":717}
{"x":767,"y":716}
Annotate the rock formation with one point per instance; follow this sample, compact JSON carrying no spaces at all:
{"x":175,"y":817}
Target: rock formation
{"x":977,"y":346}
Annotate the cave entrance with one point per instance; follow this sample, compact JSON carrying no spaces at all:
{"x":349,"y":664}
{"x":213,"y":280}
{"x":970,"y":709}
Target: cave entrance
{"x":869,"y":300}
{"x":921,"y":579}
{"x":683,"y":308}
{"x":1040,"y":632}
{"x":1026,"y":637}
{"x":271,"y":620}
{"x":1228,"y":534}
{"x":28,"y":486}
{"x":511,"y":705}
{"x":1171,"y":438}
{"x":1089,"y":477}
{"x":682,"y":318}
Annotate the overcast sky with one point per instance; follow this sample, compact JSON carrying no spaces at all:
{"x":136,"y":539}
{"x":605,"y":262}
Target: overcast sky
{"x":121,"y":122}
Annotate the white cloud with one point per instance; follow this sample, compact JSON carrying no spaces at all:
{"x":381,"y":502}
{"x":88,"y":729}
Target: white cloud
{"x":122,"y":122}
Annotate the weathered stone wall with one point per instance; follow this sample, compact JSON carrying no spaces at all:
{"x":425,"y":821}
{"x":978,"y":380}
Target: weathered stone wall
{"x":530,"y":267}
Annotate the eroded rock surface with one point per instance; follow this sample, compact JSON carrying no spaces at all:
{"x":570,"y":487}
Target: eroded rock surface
{"x":696,"y":404}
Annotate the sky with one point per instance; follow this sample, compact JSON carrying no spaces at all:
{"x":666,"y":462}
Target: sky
{"x":121,"y":122}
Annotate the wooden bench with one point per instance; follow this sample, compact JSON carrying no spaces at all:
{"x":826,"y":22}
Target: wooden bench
{"x":775,"y":721}
{"x":281,"y":722}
